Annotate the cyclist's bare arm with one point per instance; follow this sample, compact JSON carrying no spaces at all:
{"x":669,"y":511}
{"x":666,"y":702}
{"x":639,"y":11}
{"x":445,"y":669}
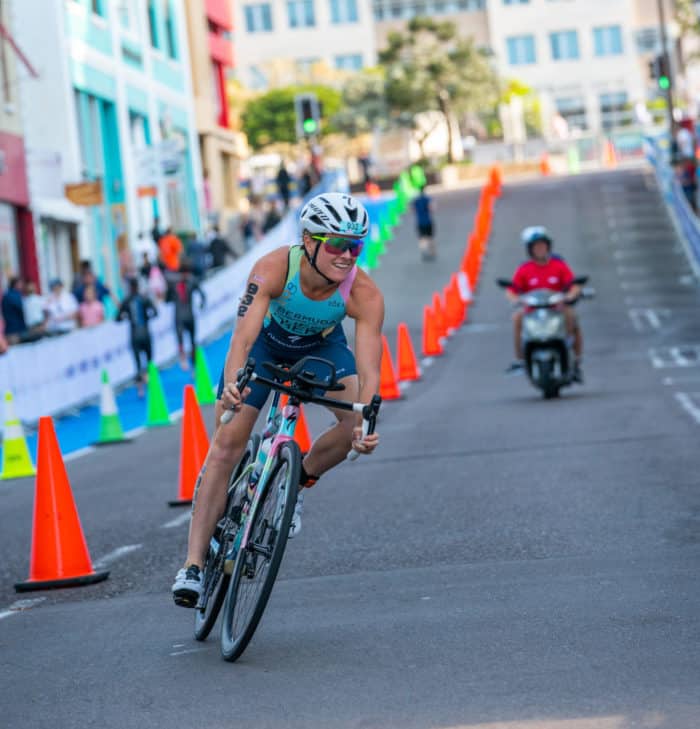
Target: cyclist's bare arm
{"x":366,"y":307}
{"x":265,"y":282}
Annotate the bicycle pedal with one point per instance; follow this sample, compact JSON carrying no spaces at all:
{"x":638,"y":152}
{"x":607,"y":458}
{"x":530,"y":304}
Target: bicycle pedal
{"x":228,"y":566}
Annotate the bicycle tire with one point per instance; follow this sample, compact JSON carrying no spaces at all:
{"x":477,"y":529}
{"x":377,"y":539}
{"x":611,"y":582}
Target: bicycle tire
{"x":278,"y":503}
{"x":204,"y":620}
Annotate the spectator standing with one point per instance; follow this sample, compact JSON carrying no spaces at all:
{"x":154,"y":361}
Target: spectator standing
{"x":686,"y":164}
{"x":283,"y":180}
{"x":156,"y":233}
{"x":92,"y":311}
{"x":248,"y":231}
{"x":272,"y":217}
{"x":181,"y":289}
{"x":423,"y":209}
{"x":62,"y":309}
{"x":34,"y":310}
{"x":87,"y":277}
{"x":13,"y":311}
{"x":219,"y":248}
{"x":170,"y":250}
{"x":138,"y":309}
{"x":4,"y":346}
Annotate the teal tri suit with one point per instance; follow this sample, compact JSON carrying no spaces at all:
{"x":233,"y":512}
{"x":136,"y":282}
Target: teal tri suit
{"x":296,"y":326}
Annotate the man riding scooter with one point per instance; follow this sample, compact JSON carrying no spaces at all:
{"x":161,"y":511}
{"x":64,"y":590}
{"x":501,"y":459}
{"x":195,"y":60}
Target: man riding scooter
{"x":544,"y":271}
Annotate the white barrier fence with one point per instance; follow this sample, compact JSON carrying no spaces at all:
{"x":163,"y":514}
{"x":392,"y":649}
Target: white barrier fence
{"x":56,"y":374}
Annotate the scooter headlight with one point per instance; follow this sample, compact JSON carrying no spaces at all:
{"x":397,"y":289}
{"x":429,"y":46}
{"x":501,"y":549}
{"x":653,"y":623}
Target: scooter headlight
{"x":541,"y":328}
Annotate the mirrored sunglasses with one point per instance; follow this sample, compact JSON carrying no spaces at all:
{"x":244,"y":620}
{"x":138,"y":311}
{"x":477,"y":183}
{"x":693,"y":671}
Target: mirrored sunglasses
{"x":337,"y":246}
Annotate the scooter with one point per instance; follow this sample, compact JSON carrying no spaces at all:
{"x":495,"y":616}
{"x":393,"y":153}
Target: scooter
{"x":547,"y":348}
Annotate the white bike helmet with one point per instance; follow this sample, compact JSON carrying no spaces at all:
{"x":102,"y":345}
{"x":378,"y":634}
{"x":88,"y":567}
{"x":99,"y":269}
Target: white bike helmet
{"x":533,"y":233}
{"x":335,"y":213}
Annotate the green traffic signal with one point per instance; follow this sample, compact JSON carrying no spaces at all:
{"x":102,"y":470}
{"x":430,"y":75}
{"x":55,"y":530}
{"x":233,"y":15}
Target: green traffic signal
{"x":310,"y":126}
{"x":664,"y":83}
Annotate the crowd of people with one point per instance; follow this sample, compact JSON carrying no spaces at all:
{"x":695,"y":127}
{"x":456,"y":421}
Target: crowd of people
{"x":168,"y":272}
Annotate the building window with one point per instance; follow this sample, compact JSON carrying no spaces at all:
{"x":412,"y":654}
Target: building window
{"x":521,"y":50}
{"x":614,"y":110}
{"x":304,"y":66}
{"x":564,"y":45}
{"x":301,"y":13}
{"x":153,"y":24}
{"x":516,"y":2}
{"x":607,"y":40}
{"x":572,"y":109}
{"x":258,"y":18}
{"x":343,"y":11}
{"x":349,"y":62}
{"x":97,"y":7}
{"x":648,"y":40}
{"x":170,"y":31}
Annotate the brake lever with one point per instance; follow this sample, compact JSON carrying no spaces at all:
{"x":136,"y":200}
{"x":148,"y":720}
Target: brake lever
{"x":369,"y":422}
{"x":244,"y":376}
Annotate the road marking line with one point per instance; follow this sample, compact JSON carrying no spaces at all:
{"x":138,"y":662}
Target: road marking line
{"x":689,"y":405}
{"x":684,"y":355}
{"x":116,"y":554}
{"x":182,"y":519}
{"x":20,"y":605}
{"x":189,"y":650}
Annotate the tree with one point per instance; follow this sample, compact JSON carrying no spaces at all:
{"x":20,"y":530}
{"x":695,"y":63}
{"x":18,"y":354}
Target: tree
{"x":431,"y":68}
{"x":364,"y":107}
{"x":270,"y":117}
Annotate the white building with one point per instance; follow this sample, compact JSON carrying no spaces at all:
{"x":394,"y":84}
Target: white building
{"x":279,"y":42}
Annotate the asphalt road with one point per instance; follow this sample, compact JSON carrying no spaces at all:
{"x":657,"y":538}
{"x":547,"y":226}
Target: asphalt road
{"x":501,"y":561}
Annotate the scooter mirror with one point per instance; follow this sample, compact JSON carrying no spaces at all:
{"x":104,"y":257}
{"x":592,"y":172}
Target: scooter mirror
{"x":588,"y":292}
{"x":580,"y":280}
{"x":504,"y":283}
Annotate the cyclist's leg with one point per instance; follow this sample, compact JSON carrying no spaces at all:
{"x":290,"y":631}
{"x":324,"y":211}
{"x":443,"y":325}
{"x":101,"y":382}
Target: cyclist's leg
{"x":226,"y":448}
{"x":332,"y":446}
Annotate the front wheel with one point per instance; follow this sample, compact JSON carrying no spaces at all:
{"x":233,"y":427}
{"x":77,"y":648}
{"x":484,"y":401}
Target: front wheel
{"x":214,"y":577}
{"x":258,"y":562}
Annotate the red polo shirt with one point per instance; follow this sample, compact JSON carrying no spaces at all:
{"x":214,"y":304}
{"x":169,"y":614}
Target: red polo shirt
{"x":555,"y":275}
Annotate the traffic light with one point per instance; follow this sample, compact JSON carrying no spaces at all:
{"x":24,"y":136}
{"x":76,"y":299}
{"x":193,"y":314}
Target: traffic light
{"x":308,"y":115}
{"x":660,"y":72}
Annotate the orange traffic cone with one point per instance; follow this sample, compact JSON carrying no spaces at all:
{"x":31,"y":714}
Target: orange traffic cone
{"x":495,"y":179}
{"x":194,"y":446}
{"x":545,"y":168}
{"x":59,"y":556}
{"x":408,"y":364}
{"x":439,"y":316}
{"x":431,"y":340}
{"x":302,"y":435}
{"x":453,"y":306}
{"x":388,"y":384}
{"x":609,"y":155}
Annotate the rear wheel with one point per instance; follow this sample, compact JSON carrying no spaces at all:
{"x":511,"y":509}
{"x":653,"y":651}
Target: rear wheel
{"x":257,"y":564}
{"x":214,"y":578}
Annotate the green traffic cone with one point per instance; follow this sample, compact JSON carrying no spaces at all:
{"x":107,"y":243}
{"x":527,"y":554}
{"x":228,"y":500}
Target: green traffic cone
{"x":371,"y":257}
{"x":574,"y":160}
{"x":417,"y":176}
{"x":156,"y":406}
{"x":111,"y":430}
{"x":202,"y":379}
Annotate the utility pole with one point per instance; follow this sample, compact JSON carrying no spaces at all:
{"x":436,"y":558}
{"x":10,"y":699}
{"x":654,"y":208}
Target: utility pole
{"x":667,"y":64}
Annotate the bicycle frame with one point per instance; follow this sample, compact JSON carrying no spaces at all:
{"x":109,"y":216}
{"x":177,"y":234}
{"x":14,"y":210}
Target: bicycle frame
{"x":283,"y":433}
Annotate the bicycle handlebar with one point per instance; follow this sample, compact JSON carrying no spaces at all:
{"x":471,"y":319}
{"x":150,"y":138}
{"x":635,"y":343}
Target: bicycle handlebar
{"x":369,"y":410}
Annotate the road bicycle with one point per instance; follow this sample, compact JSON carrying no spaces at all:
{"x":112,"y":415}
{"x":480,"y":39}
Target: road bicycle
{"x":246,"y":549}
